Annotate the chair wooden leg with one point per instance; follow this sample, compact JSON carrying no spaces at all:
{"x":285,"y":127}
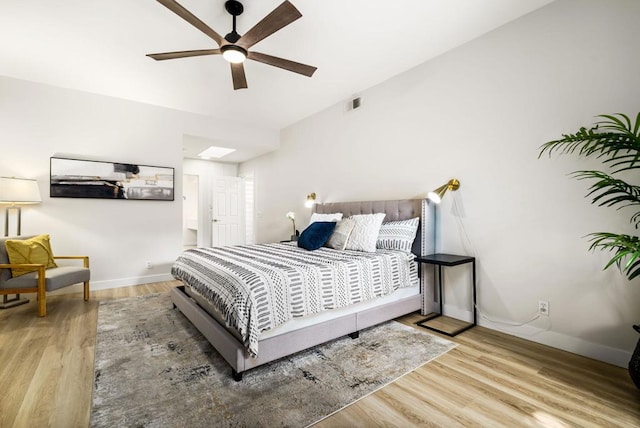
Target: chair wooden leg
{"x":42,"y":297}
{"x":42,"y":305}
{"x":86,"y":291}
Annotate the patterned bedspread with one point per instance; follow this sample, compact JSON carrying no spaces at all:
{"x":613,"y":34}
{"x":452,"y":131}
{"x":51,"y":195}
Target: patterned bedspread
{"x":259,"y":287}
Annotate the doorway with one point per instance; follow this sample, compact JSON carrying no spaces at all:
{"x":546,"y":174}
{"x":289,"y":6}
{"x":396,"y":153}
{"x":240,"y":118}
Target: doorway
{"x":190,"y":207}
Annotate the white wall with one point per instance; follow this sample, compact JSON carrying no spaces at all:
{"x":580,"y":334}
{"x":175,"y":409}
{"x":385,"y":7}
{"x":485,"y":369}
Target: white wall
{"x":479,"y":113}
{"x":38,"y":121}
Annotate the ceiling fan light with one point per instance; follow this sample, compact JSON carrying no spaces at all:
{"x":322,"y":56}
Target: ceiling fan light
{"x":233,"y":53}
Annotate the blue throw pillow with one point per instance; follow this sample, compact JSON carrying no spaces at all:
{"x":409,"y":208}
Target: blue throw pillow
{"x":316,"y":235}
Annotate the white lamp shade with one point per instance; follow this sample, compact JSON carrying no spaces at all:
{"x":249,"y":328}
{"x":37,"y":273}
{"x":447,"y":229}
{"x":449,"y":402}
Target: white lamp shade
{"x":19,"y":191}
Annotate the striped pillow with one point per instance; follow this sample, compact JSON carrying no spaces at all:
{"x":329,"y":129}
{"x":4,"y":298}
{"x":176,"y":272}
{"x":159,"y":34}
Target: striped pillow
{"x":398,"y":235}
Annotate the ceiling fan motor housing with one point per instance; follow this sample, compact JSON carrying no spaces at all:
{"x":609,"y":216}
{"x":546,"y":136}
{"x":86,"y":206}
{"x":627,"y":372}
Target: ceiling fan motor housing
{"x":232,"y":37}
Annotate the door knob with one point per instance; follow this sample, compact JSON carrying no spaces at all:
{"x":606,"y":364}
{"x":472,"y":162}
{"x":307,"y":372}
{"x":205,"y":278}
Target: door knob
{"x":215,"y":220}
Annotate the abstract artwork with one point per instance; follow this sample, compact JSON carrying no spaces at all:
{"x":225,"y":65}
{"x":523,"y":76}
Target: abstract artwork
{"x":74,"y":178}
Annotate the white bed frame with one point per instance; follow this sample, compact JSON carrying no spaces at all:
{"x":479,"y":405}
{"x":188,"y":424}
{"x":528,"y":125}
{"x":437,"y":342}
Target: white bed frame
{"x":273,"y":348}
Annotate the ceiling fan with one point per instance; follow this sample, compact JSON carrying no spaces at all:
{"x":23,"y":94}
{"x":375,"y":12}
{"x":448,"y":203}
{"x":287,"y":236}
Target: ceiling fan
{"x":234,"y":47}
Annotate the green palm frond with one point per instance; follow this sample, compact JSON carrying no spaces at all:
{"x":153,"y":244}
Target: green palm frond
{"x":609,"y":191}
{"x":626,"y":248}
{"x":615,"y":139}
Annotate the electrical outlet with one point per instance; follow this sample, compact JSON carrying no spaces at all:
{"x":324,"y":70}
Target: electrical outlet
{"x":149,"y":265}
{"x":543,"y":307}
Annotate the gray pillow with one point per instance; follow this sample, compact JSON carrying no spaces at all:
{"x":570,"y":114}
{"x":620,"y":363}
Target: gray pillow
{"x":340,"y":236}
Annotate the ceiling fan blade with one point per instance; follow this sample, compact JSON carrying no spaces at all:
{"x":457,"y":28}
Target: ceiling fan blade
{"x":237,"y":73}
{"x":280,"y":17}
{"x":183,"y":13}
{"x":183,"y":54}
{"x":296,"y":67}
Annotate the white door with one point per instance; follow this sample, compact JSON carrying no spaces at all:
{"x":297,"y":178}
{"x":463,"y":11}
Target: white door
{"x":227,"y":222}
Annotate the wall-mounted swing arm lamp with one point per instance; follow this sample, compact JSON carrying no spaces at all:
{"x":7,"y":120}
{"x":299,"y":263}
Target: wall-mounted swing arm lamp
{"x":436,"y":195}
{"x":311,"y":199}
{"x":16,"y":192}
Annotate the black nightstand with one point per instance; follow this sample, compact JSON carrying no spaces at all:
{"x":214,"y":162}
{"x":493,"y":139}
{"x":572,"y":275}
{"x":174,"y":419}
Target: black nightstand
{"x":449,"y":260}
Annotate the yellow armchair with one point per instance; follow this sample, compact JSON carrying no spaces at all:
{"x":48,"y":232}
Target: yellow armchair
{"x":40,"y":280}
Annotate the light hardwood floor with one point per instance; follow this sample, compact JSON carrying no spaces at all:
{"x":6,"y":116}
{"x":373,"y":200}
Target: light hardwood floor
{"x":489,"y":380}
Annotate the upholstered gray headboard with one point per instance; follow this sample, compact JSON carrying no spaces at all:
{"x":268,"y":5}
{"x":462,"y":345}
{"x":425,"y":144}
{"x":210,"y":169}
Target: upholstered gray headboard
{"x":402,"y":209}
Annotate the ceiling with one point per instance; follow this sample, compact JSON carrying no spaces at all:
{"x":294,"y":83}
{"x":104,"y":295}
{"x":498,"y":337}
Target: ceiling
{"x":99,"y":46}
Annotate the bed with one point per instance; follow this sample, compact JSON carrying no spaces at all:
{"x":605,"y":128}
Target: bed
{"x":284,"y":338}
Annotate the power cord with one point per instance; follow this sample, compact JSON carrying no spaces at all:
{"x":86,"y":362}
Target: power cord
{"x":483,"y":316}
{"x":469,"y":248}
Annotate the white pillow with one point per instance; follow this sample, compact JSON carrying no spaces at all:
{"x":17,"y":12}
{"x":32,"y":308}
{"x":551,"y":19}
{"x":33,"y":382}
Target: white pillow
{"x":365,"y":233}
{"x":340,"y":236}
{"x":398,"y":235}
{"x":325,"y":217}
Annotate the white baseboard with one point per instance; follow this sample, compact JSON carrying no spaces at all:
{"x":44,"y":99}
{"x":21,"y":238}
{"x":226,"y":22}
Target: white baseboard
{"x":617,"y":357}
{"x":126,"y":282}
{"x":116,"y":283}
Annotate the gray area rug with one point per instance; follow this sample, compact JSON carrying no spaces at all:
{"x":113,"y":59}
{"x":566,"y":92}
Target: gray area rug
{"x":154,"y":369}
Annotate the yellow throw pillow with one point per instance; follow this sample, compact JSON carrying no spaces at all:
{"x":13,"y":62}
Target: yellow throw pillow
{"x":36,"y":250}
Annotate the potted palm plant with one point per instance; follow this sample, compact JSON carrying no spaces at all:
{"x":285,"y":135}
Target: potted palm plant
{"x":614,"y":139}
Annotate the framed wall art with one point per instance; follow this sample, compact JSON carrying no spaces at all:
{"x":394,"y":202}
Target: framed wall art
{"x":75,"y":178}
